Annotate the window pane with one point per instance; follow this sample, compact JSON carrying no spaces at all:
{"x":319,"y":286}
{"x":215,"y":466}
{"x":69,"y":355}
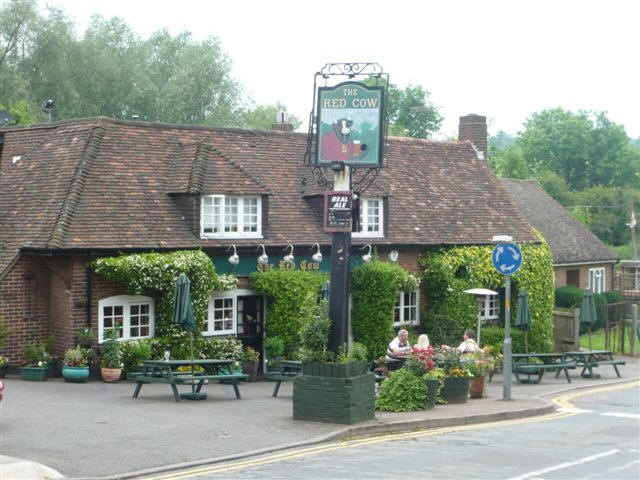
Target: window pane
{"x":231,"y":214}
{"x":250,"y":215}
{"x":373,"y":215}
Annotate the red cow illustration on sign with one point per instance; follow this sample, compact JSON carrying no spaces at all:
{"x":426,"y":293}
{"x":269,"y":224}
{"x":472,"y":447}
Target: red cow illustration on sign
{"x":336,"y":146}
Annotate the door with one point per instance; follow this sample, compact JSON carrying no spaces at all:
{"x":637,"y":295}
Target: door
{"x":250,"y":316}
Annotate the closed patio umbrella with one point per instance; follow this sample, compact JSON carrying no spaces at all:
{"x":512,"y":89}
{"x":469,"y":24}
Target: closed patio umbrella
{"x":588,"y":313}
{"x":523,"y":316}
{"x":183,"y":317}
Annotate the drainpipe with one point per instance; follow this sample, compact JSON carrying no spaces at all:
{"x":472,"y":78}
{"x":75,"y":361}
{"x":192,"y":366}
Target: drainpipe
{"x":88,"y":288}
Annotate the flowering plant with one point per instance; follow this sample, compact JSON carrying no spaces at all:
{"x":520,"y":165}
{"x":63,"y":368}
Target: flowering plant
{"x":421,"y":360}
{"x":250,"y":355}
{"x":451,"y":362}
{"x":85,"y":334}
{"x":111,"y":355}
{"x":35,"y":354}
{"x":77,"y":357}
{"x":3,"y":361}
{"x":480,"y":362}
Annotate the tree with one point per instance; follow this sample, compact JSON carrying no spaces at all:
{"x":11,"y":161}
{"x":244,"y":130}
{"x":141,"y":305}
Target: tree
{"x":21,"y":111}
{"x":261,"y":117}
{"x":509,"y":163}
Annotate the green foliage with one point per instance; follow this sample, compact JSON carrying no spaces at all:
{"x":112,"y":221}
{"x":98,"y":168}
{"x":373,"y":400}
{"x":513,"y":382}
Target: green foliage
{"x":494,"y":338}
{"x":155,"y":274}
{"x":35,"y":354}
{"x":249,"y":354}
{"x":315,"y":333}
{"x":568,"y":296}
{"x":111,"y":356}
{"x":625,"y":251}
{"x":613,"y":297}
{"x":292,"y":295}
{"x":134,"y":353}
{"x":262,"y":117}
{"x":374,"y":293}
{"x":178,"y":343}
{"x":358,"y":353}
{"x":273,"y":347}
{"x":601,"y":312}
{"x":449,"y":272}
{"x":402,"y":391}
{"x":5,"y":331}
{"x":77,"y":357}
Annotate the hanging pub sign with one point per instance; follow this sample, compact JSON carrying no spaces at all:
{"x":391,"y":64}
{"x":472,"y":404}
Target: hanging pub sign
{"x":337,"y":211}
{"x":350,"y":125}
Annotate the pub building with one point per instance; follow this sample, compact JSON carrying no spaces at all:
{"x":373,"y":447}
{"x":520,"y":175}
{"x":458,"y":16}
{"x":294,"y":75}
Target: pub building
{"x":75,"y":190}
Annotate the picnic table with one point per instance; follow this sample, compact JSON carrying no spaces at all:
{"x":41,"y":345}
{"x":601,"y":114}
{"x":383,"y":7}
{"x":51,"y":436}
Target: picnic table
{"x":590,"y":359}
{"x":166,"y":371}
{"x":537,"y":363}
{"x":286,"y":371}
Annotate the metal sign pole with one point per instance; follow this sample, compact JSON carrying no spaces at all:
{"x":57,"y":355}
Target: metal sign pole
{"x":506,"y":364}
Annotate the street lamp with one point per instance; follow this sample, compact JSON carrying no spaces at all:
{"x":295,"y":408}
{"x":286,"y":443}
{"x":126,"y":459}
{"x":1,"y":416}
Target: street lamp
{"x":481,"y":295}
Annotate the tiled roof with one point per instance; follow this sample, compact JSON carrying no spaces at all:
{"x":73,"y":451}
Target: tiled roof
{"x":569,"y":241}
{"x":104,"y":184}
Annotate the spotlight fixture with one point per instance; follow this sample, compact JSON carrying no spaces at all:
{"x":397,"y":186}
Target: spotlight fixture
{"x":367,"y":256}
{"x":288,"y":258}
{"x":262,"y":259}
{"x":233,"y":259}
{"x":317,"y":257}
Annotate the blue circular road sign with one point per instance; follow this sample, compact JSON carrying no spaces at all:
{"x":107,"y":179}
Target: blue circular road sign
{"x":506,"y":258}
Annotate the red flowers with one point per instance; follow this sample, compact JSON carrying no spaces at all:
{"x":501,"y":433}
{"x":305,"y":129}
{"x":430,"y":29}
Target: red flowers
{"x":425,"y":356}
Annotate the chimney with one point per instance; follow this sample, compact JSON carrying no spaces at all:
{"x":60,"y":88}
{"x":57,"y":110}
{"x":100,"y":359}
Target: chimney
{"x":474,"y":129}
{"x":282,"y":123}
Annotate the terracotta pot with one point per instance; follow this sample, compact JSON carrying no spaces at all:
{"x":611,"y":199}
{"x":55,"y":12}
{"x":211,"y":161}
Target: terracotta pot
{"x":477,"y":387}
{"x":110,"y":374}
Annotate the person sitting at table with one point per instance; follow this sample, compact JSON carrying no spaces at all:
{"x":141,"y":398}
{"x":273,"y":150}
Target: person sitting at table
{"x":422,"y":345}
{"x":398,"y":351}
{"x":468,"y":344}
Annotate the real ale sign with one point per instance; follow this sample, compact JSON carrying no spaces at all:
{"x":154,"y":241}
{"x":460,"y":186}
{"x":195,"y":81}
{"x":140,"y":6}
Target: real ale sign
{"x":350,"y":125}
{"x":337,"y":211}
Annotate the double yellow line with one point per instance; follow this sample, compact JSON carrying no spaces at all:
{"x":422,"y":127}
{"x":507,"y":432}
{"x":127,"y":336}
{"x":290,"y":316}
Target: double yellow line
{"x":562,"y":402}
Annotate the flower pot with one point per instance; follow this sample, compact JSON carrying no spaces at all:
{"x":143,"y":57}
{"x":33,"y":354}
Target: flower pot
{"x":477,"y":387}
{"x":432,"y":392}
{"x":34,"y":374}
{"x":75,"y":374}
{"x":3,"y":370}
{"x":251,"y":369}
{"x":455,"y":389}
{"x":111,"y":375}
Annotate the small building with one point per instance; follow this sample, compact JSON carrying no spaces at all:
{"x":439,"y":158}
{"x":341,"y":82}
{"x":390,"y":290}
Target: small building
{"x":579,"y":257}
{"x":76,"y":190}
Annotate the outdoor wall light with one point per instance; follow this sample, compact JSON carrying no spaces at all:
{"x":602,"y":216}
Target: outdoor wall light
{"x":367,"y":256}
{"x":233,"y":259}
{"x":288,"y":258}
{"x":393,"y":255}
{"x":317,"y":257}
{"x":262,"y":259}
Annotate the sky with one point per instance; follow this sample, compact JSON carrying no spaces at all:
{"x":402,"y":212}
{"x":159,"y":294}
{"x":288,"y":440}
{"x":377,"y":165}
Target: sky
{"x":502,"y":59}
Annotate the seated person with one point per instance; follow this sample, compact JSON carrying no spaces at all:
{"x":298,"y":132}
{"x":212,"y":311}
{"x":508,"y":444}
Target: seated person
{"x":423,"y":343}
{"x":468,"y":344}
{"x":398,"y":351}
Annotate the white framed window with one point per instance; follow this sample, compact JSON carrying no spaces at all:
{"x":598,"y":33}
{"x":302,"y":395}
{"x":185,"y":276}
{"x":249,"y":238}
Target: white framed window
{"x":230,"y":217}
{"x":596,"y":280}
{"x":490,"y":309}
{"x":221,"y":317}
{"x":132,"y":316}
{"x":407,"y":311}
{"x":371,"y":218}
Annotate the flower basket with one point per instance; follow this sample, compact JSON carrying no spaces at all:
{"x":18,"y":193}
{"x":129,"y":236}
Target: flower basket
{"x":33,"y":374}
{"x":455,"y":389}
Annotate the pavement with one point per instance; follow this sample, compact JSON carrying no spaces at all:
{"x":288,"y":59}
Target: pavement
{"x":96,"y":430}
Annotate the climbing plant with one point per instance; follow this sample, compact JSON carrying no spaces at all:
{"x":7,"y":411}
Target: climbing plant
{"x":447,"y":272}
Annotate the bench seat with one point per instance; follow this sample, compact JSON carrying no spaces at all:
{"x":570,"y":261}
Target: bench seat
{"x":184,"y":378}
{"x":529,"y":369}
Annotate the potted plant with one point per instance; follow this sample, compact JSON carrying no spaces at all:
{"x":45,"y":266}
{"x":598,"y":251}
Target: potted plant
{"x":422,"y":364}
{"x":85,"y":337}
{"x":273,"y":350}
{"x":479,"y":364}
{"x":4,"y":333}
{"x":455,"y":388}
{"x":76,"y":364}
{"x":36,"y":361}
{"x":250,"y":363}
{"x":111,"y":357}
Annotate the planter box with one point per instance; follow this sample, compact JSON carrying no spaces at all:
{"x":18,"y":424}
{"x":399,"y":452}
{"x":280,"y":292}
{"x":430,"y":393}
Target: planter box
{"x":34,"y":374}
{"x":455,"y":389}
{"x":335,"y":370}
{"x":334,"y":399}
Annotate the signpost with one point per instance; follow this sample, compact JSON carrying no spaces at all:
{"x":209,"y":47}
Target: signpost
{"x":506,"y":259}
{"x":337,"y":211}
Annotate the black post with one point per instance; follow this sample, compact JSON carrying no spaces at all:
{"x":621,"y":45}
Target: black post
{"x":339,"y":293}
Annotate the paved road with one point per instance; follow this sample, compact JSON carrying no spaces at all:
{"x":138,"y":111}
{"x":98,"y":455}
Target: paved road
{"x":595,"y":435}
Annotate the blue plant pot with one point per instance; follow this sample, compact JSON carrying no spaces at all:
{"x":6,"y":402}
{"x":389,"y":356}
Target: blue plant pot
{"x":35,"y":374}
{"x":75,"y":374}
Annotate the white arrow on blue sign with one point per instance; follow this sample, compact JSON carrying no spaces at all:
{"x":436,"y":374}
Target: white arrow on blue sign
{"x":506,"y":258}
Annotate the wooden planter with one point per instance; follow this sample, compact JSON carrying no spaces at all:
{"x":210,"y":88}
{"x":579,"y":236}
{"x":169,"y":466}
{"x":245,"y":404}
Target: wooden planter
{"x":334,"y":393}
{"x":455,"y":389}
{"x":34,"y":374}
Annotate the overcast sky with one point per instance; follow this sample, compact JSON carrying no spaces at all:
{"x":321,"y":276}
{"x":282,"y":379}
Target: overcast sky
{"x":502,"y":59}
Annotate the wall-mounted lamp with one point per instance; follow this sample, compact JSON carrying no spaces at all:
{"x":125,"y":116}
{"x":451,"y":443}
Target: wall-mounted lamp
{"x":393,"y":255}
{"x":367,"y":256}
{"x":288,"y":258}
{"x":262,"y":259}
{"x":233,"y":259}
{"x":317,"y":257}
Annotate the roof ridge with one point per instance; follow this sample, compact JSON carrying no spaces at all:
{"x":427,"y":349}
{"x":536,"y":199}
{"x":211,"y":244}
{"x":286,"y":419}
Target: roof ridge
{"x":76,"y":186}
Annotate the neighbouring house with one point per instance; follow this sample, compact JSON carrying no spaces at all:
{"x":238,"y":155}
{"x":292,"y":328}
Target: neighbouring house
{"x":629,"y":280}
{"x":579,"y":257}
{"x":75,"y":190}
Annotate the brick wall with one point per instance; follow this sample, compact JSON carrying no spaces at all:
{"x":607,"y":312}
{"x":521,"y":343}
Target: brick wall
{"x":560,"y":275}
{"x":473,"y":128}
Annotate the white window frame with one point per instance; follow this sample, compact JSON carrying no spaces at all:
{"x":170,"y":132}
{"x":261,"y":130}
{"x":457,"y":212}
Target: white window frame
{"x":210,"y":331}
{"x":365,"y":220}
{"x":597,"y":279}
{"x":240,"y":217}
{"x":490,"y":310}
{"x":126,"y":302}
{"x":401,"y":306}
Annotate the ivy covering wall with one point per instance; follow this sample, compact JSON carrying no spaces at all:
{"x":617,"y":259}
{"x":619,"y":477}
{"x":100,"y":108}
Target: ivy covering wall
{"x":292,"y":298}
{"x":448,"y":272}
{"x":155,"y":274}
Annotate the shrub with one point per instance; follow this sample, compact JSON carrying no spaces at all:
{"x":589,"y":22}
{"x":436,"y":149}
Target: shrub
{"x":568,"y":296}
{"x":493,"y":337}
{"x":273,"y":347}
{"x":249,"y":354}
{"x":5,"y":331}
{"x":315,"y":334}
{"x":358,"y":353}
{"x":402,"y":391}
{"x":220,"y":347}
{"x":601,"y":311}
{"x":613,"y":297}
{"x":134,"y":353}
{"x":35,"y":354}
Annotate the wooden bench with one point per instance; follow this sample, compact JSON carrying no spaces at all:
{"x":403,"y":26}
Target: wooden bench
{"x":536,"y":364}
{"x":286,"y":372}
{"x":589,"y":360}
